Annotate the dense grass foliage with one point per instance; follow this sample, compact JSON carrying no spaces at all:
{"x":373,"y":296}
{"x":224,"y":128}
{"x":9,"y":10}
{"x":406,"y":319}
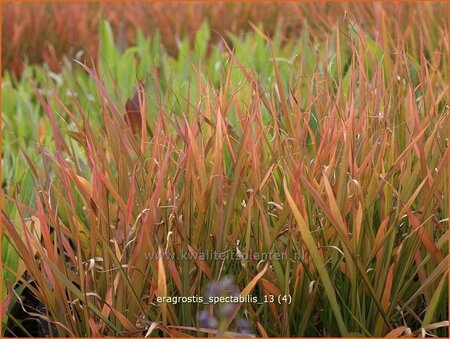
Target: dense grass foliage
{"x":45,"y":32}
{"x":328,"y":156}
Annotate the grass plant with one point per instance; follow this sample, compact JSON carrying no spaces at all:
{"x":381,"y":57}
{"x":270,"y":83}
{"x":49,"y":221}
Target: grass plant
{"x":328,"y":156}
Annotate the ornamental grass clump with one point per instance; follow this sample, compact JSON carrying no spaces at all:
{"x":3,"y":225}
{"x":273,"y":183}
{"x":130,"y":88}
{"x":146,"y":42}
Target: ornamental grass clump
{"x":320,"y":162}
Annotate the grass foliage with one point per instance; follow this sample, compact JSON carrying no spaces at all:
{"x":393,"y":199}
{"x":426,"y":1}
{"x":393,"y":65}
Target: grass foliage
{"x":330,"y":152}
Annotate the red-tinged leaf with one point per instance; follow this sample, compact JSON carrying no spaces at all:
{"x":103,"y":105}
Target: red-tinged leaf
{"x":124,"y":321}
{"x":175,"y":274}
{"x":246,"y":291}
{"x":197,"y":155}
{"x":385,"y":299}
{"x":7,"y":300}
{"x":200,"y":263}
{"x":177,"y":334}
{"x":271,"y":289}
{"x":261,"y":330}
{"x":131,"y":197}
{"x":378,"y":239}
{"x":334,"y":208}
{"x":427,"y":240}
{"x":396,"y":332}
{"x":108,"y":301}
{"x":95,"y":333}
